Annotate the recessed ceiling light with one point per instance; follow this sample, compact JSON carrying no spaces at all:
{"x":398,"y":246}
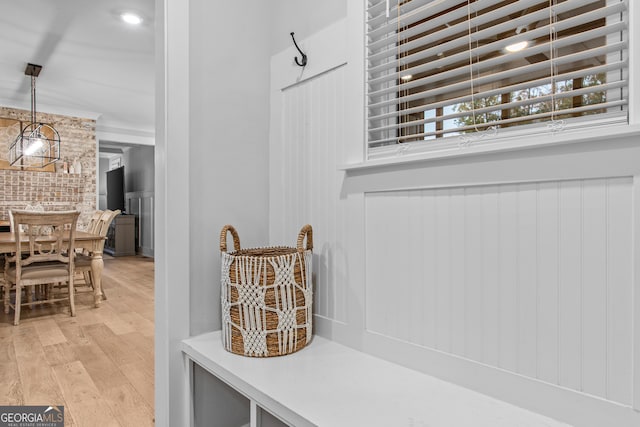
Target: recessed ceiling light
{"x":131,"y":18}
{"x":406,"y":77}
{"x":516,"y":47}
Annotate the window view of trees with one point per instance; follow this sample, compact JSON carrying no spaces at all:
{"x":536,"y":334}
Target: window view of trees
{"x":533,"y":108}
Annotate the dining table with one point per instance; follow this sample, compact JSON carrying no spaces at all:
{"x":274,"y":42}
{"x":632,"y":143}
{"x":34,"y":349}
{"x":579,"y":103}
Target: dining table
{"x":84,"y":240}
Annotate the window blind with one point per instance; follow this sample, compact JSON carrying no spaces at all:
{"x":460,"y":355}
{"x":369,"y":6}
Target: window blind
{"x":443,"y":68}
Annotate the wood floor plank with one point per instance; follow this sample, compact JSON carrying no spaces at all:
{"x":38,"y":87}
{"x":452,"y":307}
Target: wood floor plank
{"x":59,"y":354}
{"x":129,"y":407}
{"x":75,"y":333}
{"x":140,"y":375}
{"x":38,"y":382}
{"x":139,"y":324}
{"x":49,"y":332}
{"x":115,"y":320}
{"x":85,"y":402}
{"x":113,"y":346}
{"x":36,"y":375}
{"x":140,"y":343}
{"x":103,"y":371}
{"x":76,"y":383}
{"x":10,"y":384}
{"x":93,"y":413}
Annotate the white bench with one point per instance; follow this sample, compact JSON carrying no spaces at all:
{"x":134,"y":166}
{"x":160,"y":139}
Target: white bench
{"x":328,"y":384}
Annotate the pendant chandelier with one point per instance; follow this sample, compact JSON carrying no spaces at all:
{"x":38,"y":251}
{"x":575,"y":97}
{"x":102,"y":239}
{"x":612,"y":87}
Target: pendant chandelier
{"x":38,"y":144}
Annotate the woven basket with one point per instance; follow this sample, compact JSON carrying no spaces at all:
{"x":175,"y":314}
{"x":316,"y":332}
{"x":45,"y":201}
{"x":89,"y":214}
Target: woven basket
{"x":266,"y":296}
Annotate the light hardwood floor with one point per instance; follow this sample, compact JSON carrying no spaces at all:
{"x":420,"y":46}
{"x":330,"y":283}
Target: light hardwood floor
{"x":99,"y":364}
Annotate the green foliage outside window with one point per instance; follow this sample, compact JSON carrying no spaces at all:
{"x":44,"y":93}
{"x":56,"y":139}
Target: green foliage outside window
{"x":529,"y":109}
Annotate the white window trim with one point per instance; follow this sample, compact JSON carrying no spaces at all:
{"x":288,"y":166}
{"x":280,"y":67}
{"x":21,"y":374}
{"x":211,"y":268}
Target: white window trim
{"x":509,"y":143}
{"x":411,"y":153}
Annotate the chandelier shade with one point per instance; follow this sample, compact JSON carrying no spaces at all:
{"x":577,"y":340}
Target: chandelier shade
{"x":38,"y":144}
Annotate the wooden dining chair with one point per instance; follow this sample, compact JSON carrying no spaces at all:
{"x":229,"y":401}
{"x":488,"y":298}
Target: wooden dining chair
{"x":47,"y":259}
{"x":31,"y":208}
{"x":93,"y":221}
{"x":83,"y":260}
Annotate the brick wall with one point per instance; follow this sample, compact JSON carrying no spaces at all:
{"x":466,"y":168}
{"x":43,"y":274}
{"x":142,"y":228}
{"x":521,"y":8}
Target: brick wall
{"x":53,"y":190}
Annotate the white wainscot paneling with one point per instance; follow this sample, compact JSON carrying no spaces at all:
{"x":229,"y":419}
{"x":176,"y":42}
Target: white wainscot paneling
{"x":533,"y":278}
{"x":308,"y":190}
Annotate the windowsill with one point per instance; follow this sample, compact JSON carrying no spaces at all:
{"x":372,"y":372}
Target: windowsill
{"x":410,"y":154}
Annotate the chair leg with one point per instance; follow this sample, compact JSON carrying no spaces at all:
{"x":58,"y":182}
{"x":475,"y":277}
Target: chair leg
{"x":7,"y":294}
{"x":72,"y":297}
{"x":16,"y":316}
{"x":29,"y":296}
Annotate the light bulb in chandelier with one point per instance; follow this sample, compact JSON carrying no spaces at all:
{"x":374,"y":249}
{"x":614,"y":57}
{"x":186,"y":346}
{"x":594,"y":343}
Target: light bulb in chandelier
{"x":34,"y":144}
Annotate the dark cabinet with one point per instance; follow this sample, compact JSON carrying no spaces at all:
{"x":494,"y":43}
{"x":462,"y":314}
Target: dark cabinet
{"x":121,"y":236}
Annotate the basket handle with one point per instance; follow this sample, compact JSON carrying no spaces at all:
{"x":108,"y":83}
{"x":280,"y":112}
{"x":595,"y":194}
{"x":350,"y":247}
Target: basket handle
{"x":305,"y":231}
{"x":223,"y":238}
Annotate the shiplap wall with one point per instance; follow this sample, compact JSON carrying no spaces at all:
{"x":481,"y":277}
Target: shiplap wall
{"x":533,"y":278}
{"x":310,"y":190}
{"x":510,"y":273}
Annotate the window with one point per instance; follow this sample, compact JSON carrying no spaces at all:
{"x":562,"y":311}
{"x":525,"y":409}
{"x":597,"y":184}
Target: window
{"x":452,"y":72}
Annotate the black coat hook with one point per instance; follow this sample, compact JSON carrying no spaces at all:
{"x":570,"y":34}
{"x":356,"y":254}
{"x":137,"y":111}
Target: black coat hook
{"x":304,"y":57}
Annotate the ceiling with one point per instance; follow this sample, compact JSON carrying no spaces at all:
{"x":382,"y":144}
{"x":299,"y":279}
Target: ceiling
{"x":94,"y":65}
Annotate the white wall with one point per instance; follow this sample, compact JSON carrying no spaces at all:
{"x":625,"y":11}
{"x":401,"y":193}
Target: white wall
{"x":533,"y":278}
{"x":228,"y":165}
{"x":510,"y":273}
{"x":211,"y":169}
{"x":103,"y":167}
{"x":304,"y":18}
{"x":139,"y":168}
